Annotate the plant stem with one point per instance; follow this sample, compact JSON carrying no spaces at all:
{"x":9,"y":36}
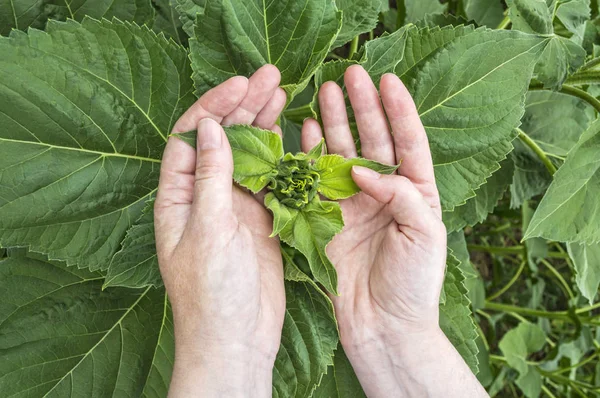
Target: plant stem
{"x":504,"y":23}
{"x":584,"y":77}
{"x":538,"y":151}
{"x":591,"y":63}
{"x":298,"y":114}
{"x":560,"y":278}
{"x":547,"y":392}
{"x":587,"y":309}
{"x":578,"y":364}
{"x":497,"y":249}
{"x":510,"y":283}
{"x":334,"y":56}
{"x":371,"y":35}
{"x":353,"y":47}
{"x":561,"y":315}
{"x":574,"y":91}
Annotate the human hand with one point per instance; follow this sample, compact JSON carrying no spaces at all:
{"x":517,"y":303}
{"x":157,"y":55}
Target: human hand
{"x":391,"y":255}
{"x":222,"y":272}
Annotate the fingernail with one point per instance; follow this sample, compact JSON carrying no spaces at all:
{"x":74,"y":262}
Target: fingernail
{"x":209,"y":134}
{"x":366,"y":172}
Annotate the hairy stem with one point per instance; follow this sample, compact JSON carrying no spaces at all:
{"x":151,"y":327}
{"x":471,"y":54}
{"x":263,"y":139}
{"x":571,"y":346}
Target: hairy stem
{"x":353,"y":47}
{"x":538,"y":151}
{"x":574,"y":91}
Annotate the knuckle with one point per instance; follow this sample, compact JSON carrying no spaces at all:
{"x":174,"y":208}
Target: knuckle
{"x":206,"y":170}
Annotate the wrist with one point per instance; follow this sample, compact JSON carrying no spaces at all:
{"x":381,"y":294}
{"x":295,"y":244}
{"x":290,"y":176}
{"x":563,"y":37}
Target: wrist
{"x":231,"y":371}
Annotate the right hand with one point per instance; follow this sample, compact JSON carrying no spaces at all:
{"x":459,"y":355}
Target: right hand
{"x":390,"y":256}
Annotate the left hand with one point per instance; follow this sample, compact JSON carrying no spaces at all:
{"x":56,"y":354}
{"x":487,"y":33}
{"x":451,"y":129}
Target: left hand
{"x":222,"y":272}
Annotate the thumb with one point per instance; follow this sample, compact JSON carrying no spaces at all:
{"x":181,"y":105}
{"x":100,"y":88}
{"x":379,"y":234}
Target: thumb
{"x":403,"y":199}
{"x":214,"y":168}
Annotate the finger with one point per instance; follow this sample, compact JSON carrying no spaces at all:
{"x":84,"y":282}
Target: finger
{"x":261,"y":87}
{"x":270,"y":112}
{"x":335,"y":120}
{"x":175,"y":193}
{"x":375,"y":137}
{"x":216,"y":103}
{"x":311,"y":135}
{"x":275,"y":128}
{"x":414,"y":216}
{"x":214,"y":170}
{"x":410,"y":139}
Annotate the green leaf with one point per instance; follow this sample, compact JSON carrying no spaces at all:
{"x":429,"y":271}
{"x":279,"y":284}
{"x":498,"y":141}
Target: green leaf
{"x":308,"y":341}
{"x":168,"y":22}
{"x":317,"y":151}
{"x":282,"y":215}
{"x":188,"y":11}
{"x":336,"y":179}
{"x":560,"y":58}
{"x":312,"y":230}
{"x":340,"y":380}
{"x":21,"y":14}
{"x":477,"y":208}
{"x":485,"y":12}
{"x":256,"y":153}
{"x":469,"y":113}
{"x":555,"y":122}
{"x":62,"y":335}
{"x":359,"y":16}
{"x":82,"y":133}
{"x":236,"y":37}
{"x":455,"y":314}
{"x":531,"y":16}
{"x":570,"y":210}
{"x":586,"y":259}
{"x":418,"y":9}
{"x":136,"y":264}
{"x":516,"y":345}
{"x":574,"y":14}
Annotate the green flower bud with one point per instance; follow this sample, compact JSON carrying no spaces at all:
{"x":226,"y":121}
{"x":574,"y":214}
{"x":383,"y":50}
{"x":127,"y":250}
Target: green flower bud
{"x":295,"y":184}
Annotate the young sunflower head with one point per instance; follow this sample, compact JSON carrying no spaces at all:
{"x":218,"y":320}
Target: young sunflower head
{"x":295,"y":184}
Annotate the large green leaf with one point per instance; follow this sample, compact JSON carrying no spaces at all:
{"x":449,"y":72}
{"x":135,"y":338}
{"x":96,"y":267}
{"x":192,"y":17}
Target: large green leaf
{"x":310,"y":232}
{"x":485,"y":12}
{"x":469,"y":113}
{"x":586,"y":259}
{"x":167,"y":21}
{"x":531,"y":16}
{"x":340,"y":380}
{"x":573,"y":14}
{"x":236,"y":37}
{"x":188,"y":10}
{"x":570,"y":210}
{"x":455,"y":314}
{"x":477,"y":208}
{"x":555,"y":122}
{"x":62,"y":335}
{"x":561,"y":56}
{"x":85,"y":112}
{"x":21,"y":14}
{"x":308,"y":340}
{"x":359,"y":16}
{"x":136,"y":264}
{"x":516,"y":345}
{"x":418,"y":9}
